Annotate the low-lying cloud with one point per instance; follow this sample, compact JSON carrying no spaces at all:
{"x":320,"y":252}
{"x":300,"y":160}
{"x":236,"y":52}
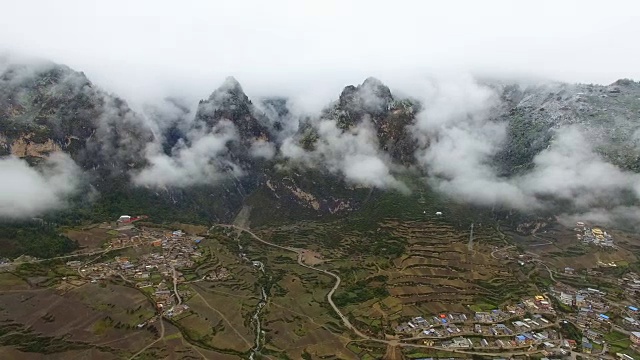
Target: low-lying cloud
{"x":30,"y":191}
{"x":458,"y":131}
{"x":460,"y":138}
{"x":571,"y":170}
{"x":200,"y":159}
{"x":353,"y":153}
{"x":458,"y":141}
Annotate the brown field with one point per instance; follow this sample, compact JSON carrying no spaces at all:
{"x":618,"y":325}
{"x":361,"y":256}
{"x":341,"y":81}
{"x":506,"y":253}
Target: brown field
{"x":436,"y":269}
{"x":439,"y":271}
{"x":311,"y":257}
{"x":297,"y":318}
{"x":87,"y":314}
{"x":10,"y":353}
{"x":298,"y":322}
{"x":562,"y":239}
{"x":11,"y":282}
{"x":219,"y":322}
{"x":190,"y":229}
{"x":90,"y":237}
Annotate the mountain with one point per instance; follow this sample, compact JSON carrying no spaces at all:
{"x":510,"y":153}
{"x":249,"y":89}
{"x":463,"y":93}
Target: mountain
{"x":371,"y":101}
{"x":610,"y":113}
{"x":265,"y":156}
{"x":230,"y":102}
{"x":49,"y":107}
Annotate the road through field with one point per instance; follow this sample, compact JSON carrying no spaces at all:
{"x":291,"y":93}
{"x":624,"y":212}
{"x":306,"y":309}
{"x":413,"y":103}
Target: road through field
{"x":153,"y":343}
{"x":298,"y":252}
{"x":345,"y":320}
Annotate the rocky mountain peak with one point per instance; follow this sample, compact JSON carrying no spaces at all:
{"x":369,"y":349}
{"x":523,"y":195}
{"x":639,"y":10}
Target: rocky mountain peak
{"x":230,"y":95}
{"x":376,"y":87}
{"x":46,"y":107}
{"x":231,"y":86}
{"x":624,"y":82}
{"x":348,"y":95}
{"x":231,"y":103}
{"x":371,"y":98}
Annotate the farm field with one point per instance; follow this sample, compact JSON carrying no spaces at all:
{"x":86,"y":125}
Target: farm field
{"x":268,"y":297}
{"x":421,"y":267}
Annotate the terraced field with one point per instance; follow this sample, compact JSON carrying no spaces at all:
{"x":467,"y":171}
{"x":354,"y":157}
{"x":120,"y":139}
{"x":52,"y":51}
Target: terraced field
{"x":407,"y":267}
{"x":441,"y":270}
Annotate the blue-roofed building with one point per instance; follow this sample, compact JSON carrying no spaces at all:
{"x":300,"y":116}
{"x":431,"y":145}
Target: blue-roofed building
{"x":603,"y":317}
{"x":521,"y":338}
{"x":633,"y":308}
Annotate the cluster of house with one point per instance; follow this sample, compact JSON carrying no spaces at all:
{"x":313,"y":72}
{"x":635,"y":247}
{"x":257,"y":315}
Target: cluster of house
{"x":154,"y":270}
{"x":218,"y":274}
{"x":545,"y":337}
{"x":590,"y":298}
{"x":591,"y":308}
{"x":176,"y":310}
{"x":593,"y":235}
{"x":630,"y":318}
{"x":631,"y":284}
{"x":501,"y":328}
{"x":421,"y":324}
{"x":538,"y":304}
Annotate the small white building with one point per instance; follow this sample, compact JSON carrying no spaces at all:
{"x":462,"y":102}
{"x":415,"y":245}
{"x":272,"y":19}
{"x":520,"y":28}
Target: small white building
{"x":124,"y":218}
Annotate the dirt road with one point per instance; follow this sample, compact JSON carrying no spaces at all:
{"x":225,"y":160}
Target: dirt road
{"x":392,"y":344}
{"x":298,"y":252}
{"x":153,"y":343}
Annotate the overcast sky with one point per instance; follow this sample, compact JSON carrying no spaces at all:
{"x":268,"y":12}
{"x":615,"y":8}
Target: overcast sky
{"x":150,"y":48}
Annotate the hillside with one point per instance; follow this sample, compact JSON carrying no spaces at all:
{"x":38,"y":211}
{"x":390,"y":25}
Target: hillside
{"x":236,"y":153}
{"x":610,"y":113}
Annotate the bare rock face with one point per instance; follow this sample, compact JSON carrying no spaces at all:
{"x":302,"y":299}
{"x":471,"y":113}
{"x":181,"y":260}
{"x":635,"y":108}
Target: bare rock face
{"x":24,"y":147}
{"x":371,"y":98}
{"x":231,"y":103}
{"x":608,"y":114}
{"x":47,"y":107}
{"x":391,"y":117}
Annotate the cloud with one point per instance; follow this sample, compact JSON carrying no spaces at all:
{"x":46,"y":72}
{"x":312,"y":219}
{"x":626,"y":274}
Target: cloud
{"x":222,"y":38}
{"x":460,"y":136}
{"x":353,"y":153}
{"x":458,"y":131}
{"x":458,"y":141}
{"x":262,"y":149}
{"x":624,"y":216}
{"x":569,"y":169}
{"x":200,"y":159}
{"x":167,"y":113}
{"x":30,"y":191}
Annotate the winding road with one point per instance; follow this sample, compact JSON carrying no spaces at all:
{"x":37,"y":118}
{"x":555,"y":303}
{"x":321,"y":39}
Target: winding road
{"x":153,"y":343}
{"x":493,"y":253}
{"x":175,"y":285}
{"x":390,"y":343}
{"x":344,"y":319}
